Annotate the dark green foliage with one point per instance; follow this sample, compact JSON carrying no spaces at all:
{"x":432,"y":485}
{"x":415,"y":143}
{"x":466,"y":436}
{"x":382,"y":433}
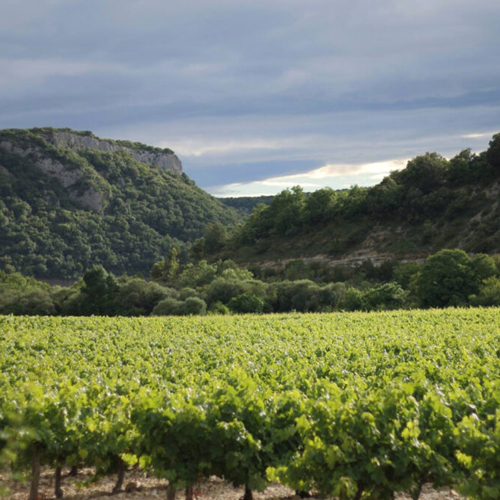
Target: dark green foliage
{"x":489,"y":294}
{"x":385,"y":297}
{"x":169,"y":307}
{"x":173,"y":307}
{"x":493,"y":152}
{"x":166,"y":271}
{"x":306,"y":296}
{"x":99,"y":290}
{"x":420,"y":209}
{"x":145,"y":211}
{"x":484,"y":267}
{"x":137,"y":297}
{"x":425,"y":173}
{"x":320,"y":205}
{"x":405,"y":273}
{"x":246,"y":203}
{"x":353,"y":300}
{"x":246,"y":303}
{"x":447,"y":279}
{"x":24,"y":295}
{"x":223,"y":290}
{"x":219,"y":308}
{"x":215,"y":236}
{"x":194,"y":305}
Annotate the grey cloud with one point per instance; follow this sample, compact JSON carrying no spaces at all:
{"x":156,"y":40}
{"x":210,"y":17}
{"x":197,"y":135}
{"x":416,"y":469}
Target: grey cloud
{"x":355,"y":78}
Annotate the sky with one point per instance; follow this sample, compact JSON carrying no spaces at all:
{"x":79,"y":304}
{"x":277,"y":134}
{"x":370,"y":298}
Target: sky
{"x":257,"y":96}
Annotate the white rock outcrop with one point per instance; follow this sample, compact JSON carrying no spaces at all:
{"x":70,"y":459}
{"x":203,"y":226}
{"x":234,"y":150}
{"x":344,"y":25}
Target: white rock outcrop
{"x":91,"y":198}
{"x":76,"y":142}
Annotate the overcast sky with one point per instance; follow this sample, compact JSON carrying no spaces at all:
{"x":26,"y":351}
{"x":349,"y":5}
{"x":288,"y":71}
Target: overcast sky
{"x":255,"y":96}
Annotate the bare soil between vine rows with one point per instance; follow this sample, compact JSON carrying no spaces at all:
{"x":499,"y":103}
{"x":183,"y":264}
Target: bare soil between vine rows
{"x":81,"y":488}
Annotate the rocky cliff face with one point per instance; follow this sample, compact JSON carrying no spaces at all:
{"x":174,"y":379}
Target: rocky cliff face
{"x":93,"y":197}
{"x":90,"y":198}
{"x":76,"y":142}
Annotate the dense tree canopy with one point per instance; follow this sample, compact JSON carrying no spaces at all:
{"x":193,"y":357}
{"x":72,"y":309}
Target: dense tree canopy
{"x":447,"y":279}
{"x":146,"y":210}
{"x":425,"y":199}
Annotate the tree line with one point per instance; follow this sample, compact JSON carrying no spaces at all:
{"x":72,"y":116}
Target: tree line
{"x":446,"y":279}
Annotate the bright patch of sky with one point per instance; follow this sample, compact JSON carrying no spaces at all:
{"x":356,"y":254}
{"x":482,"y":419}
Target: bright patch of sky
{"x":338,"y":176}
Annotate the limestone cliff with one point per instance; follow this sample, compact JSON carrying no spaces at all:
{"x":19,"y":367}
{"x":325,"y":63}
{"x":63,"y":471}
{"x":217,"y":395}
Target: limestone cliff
{"x":70,"y":201}
{"x":92,"y":198}
{"x":152,"y":156}
{"x":82,"y":182}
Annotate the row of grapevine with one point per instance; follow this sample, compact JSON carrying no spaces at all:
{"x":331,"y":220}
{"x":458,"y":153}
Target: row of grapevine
{"x":351,"y":405}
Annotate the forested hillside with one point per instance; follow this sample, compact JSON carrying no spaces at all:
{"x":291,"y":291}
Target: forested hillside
{"x":247,"y":203}
{"x":69,"y":201}
{"x":433,"y":203}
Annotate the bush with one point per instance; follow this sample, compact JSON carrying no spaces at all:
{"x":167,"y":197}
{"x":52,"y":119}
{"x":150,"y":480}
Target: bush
{"x":223,"y":290}
{"x":169,"y":307}
{"x":219,"y":308}
{"x":194,"y":306}
{"x":489,"y":293}
{"x":386,"y":296}
{"x":302,"y":296}
{"x":447,"y":279}
{"x":246,"y":303}
{"x":353,"y":300}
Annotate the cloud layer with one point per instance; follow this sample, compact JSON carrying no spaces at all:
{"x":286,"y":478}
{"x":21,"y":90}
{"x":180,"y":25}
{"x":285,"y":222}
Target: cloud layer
{"x":246,"y":91}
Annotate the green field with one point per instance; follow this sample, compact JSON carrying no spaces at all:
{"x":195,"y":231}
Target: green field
{"x":353,"y":405}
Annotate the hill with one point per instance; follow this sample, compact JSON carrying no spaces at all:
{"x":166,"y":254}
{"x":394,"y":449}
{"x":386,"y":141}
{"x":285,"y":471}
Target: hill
{"x":70,"y":200}
{"x":246,"y":203}
{"x":433,"y":203}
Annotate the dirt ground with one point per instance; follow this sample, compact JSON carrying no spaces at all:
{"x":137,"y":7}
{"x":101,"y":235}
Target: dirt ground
{"x":146,"y":488}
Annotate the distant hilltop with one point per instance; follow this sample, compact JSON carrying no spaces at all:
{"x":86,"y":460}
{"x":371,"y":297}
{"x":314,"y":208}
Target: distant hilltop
{"x":162,"y":158}
{"x":78,"y":140}
{"x":47,"y":148}
{"x":70,"y":200}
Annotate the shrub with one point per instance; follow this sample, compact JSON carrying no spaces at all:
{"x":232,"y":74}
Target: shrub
{"x":489,"y":293}
{"x":169,"y":307}
{"x":194,"y":306}
{"x":447,"y":279}
{"x":246,"y":303}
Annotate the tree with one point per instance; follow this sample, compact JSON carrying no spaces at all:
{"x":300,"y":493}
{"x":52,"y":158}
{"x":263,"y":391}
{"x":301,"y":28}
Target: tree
{"x":489,"y":293}
{"x":165,"y":271}
{"x":286,"y":210}
{"x":169,"y":307}
{"x":493,"y":152}
{"x":215,"y":237}
{"x":447,"y":279}
{"x":484,"y":266}
{"x":223,"y":290}
{"x":194,"y":276}
{"x":197,"y":250}
{"x":319,"y":205}
{"x":459,"y":171}
{"x":385,"y":296}
{"x":246,"y":303}
{"x":425,"y":172}
{"x":194,"y":305}
{"x":100,"y":290}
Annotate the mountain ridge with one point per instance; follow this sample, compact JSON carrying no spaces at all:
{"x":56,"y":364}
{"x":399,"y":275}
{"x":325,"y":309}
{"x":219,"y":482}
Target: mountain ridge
{"x":43,"y":153}
{"x":432,"y":204}
{"x":66,"y":206}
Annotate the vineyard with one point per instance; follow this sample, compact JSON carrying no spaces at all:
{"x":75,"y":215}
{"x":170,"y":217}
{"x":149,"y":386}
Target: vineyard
{"x":346,"y":405}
